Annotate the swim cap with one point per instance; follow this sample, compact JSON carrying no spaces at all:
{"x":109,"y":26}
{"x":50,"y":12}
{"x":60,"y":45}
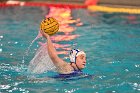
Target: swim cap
{"x":74,"y":53}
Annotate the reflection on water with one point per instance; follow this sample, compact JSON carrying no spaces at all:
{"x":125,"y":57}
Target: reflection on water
{"x":63,"y":15}
{"x":41,"y":62}
{"x":64,"y":37}
{"x":131,"y":19}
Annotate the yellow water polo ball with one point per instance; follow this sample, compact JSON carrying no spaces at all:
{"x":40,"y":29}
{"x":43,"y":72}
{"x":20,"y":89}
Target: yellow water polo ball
{"x":49,"y":25}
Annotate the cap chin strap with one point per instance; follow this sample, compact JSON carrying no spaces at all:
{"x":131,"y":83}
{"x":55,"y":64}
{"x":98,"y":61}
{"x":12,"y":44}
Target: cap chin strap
{"x":75,"y":65}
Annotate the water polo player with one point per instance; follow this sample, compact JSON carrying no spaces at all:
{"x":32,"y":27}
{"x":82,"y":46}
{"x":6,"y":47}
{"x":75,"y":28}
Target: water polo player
{"x":77,"y":58}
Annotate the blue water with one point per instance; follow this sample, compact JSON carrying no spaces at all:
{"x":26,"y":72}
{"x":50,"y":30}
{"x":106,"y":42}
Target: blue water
{"x":110,"y":40}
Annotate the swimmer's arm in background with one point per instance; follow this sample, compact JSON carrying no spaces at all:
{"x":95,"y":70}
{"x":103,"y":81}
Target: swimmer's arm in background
{"x":52,"y":51}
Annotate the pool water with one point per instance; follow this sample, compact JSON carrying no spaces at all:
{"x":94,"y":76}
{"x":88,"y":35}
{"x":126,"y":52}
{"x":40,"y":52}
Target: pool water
{"x":110,"y":40}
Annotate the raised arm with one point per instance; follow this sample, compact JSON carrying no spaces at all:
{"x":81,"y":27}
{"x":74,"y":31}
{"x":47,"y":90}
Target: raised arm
{"x":52,"y":51}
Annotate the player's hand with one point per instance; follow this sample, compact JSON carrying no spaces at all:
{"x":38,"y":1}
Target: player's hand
{"x":44,"y":34}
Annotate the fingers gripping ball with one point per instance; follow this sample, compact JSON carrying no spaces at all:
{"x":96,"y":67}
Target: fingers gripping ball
{"x":49,"y":26}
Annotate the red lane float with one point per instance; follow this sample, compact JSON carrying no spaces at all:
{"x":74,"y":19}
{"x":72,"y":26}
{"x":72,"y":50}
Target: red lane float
{"x":55,"y":5}
{"x":7,"y":5}
{"x":39,"y":4}
{"x":91,"y":2}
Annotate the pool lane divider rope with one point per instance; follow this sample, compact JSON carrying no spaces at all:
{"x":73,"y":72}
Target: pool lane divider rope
{"x":114,"y":9}
{"x":90,"y":6}
{"x":39,"y":4}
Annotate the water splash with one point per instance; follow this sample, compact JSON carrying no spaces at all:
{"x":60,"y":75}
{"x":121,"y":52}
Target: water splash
{"x":41,"y":61}
{"x":38,"y":36}
{"x":28,"y":49}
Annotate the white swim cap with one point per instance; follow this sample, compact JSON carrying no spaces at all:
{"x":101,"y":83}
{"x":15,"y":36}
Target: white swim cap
{"x":74,"y":53}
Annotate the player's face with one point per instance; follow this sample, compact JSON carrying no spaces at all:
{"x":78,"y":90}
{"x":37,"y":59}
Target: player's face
{"x":81,"y":61}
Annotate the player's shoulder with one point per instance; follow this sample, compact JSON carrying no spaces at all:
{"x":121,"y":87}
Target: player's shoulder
{"x":65,"y":68}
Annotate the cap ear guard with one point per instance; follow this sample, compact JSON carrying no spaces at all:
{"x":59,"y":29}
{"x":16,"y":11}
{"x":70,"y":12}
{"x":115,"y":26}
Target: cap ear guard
{"x":73,"y":54}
